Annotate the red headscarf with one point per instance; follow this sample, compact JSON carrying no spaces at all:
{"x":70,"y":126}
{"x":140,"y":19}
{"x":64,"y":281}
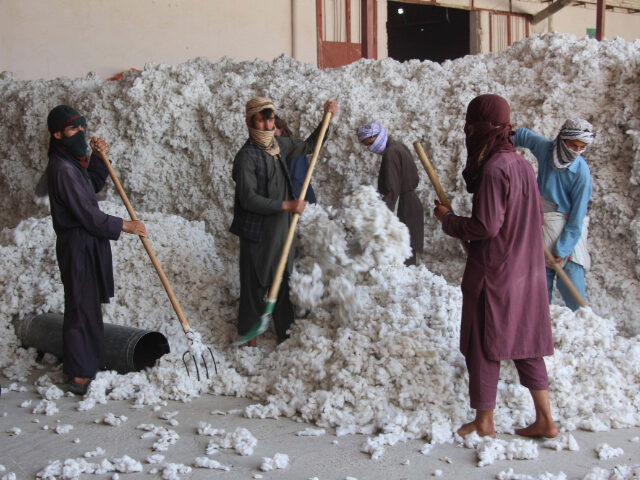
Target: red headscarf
{"x":488,"y":131}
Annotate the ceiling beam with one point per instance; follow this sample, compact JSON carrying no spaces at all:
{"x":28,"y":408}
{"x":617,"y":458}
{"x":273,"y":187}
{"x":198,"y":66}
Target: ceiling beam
{"x":550,"y":10}
{"x":629,"y":5}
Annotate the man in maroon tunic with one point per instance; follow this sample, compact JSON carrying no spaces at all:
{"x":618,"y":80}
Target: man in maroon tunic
{"x":505,"y":309}
{"x":82,"y":246}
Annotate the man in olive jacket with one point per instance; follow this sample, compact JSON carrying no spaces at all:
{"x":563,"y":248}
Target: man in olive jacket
{"x":263,"y":209}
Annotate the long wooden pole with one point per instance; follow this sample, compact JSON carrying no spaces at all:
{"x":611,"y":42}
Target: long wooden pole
{"x":147,"y":246}
{"x":279,"y":273}
{"x":435,"y":182}
{"x":564,"y":278}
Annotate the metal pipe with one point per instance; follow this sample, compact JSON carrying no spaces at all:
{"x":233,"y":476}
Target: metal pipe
{"x":294,"y":53}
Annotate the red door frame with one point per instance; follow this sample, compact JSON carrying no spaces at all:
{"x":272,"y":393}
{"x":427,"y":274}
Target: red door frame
{"x":336,"y":54}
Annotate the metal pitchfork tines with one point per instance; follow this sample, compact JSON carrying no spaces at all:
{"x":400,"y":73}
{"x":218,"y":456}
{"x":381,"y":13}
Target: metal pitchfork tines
{"x":195,"y":362}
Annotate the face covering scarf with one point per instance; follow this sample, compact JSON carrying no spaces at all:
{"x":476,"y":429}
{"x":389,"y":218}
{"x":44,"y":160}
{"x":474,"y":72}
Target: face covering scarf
{"x":373,"y":129}
{"x":487,"y":131}
{"x":572,"y":129}
{"x":265,"y":140}
{"x":60,"y":118}
{"x":76,"y":146}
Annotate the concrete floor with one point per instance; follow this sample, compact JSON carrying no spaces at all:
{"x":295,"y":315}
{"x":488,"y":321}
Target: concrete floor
{"x":28,"y":453}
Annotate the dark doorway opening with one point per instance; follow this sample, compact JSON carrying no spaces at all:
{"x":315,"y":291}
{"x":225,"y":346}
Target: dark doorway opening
{"x":426,"y":32}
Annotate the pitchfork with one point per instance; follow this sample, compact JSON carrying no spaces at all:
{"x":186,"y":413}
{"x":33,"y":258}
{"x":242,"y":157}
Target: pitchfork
{"x":163,"y":278}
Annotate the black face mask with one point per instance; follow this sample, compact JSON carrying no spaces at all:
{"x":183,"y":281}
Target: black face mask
{"x":75,"y":145}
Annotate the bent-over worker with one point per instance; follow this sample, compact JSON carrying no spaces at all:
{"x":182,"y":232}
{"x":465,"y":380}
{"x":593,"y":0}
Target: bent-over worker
{"x":564,"y":182}
{"x":397,"y":182}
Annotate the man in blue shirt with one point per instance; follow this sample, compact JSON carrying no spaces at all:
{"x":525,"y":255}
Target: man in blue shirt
{"x":564,"y":181}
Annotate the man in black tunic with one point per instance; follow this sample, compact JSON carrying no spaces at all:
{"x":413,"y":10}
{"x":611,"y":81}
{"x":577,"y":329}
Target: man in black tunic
{"x":82,"y":247}
{"x":263,"y":210}
{"x":397,"y":182}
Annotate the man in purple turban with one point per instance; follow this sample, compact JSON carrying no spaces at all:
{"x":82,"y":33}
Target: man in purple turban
{"x":397,"y":182}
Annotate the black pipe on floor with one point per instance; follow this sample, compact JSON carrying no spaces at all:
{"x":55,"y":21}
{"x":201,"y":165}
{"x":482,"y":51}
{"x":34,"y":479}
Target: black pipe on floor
{"x":127,"y":349}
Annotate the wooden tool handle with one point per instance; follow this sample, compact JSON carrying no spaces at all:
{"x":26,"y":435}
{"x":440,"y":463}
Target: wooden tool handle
{"x":147,"y":245}
{"x":432,"y":175}
{"x":564,"y":278}
{"x":277,"y":278}
{"x":435,"y":182}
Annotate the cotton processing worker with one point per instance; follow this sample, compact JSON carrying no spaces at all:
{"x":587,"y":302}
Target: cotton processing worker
{"x":262,"y":212}
{"x":397,"y":182}
{"x":505,"y":311}
{"x":564,"y":182}
{"x":83,"y":250}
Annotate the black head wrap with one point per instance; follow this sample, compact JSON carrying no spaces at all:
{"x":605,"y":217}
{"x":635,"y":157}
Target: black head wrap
{"x":64,"y":116}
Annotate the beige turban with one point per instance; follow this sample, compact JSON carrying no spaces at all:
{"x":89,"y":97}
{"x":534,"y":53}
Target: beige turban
{"x":257,"y":104}
{"x":264,"y":139}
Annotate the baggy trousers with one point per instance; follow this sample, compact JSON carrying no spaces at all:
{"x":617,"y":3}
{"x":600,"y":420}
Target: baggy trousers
{"x":575,"y":273}
{"x":484,"y":372}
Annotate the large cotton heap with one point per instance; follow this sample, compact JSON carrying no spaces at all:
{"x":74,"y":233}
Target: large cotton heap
{"x":174,"y":131}
{"x":394,"y":368}
{"x":377,"y":351}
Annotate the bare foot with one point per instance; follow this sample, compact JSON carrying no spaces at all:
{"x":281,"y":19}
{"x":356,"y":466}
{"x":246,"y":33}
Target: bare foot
{"x":475,"y":426}
{"x":80,"y":381}
{"x":539,"y":429}
{"x":252,"y":343}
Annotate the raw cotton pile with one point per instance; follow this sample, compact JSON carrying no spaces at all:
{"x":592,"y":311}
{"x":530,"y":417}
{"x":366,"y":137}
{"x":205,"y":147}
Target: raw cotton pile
{"x":378,"y":353}
{"x":393,"y":366}
{"x":175,"y":129}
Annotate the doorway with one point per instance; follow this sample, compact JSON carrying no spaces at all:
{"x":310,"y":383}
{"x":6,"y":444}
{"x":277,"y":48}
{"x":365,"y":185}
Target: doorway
{"x":426,"y":32}
{"x":339,"y":31}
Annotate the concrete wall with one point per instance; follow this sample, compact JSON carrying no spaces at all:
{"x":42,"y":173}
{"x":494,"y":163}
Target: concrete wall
{"x":576,"y":20}
{"x":51,"y":38}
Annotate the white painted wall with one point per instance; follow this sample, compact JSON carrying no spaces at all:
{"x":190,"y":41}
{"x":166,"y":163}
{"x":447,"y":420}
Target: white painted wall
{"x":381,"y":13}
{"x":51,"y":38}
{"x":576,"y":20}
